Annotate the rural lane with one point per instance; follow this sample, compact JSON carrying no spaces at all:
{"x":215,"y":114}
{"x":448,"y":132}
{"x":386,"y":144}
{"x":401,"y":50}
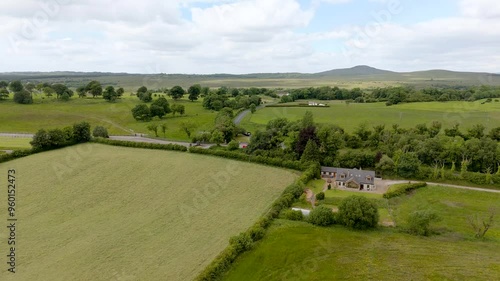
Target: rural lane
{"x":237,"y":120}
{"x":391,"y":182}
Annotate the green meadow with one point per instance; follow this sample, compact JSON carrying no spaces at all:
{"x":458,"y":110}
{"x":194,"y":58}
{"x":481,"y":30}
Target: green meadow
{"x":350,"y":116}
{"x":116,"y":117}
{"x":301,"y":251}
{"x":8,"y":143}
{"x":96,"y":212}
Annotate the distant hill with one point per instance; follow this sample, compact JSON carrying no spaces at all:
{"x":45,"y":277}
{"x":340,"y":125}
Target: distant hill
{"x":357,"y":70}
{"x":359,"y":76}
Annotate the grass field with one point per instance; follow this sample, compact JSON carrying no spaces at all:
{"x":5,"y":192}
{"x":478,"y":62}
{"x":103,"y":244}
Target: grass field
{"x":14,"y":143}
{"x":117,"y":117}
{"x":408,"y":115}
{"x":95,"y":212}
{"x":300,"y":251}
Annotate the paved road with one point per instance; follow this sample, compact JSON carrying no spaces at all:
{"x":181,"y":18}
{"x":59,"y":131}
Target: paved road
{"x":16,"y":135}
{"x":237,"y":120}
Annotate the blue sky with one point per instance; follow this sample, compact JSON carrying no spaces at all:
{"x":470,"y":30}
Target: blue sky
{"x":247,"y":36}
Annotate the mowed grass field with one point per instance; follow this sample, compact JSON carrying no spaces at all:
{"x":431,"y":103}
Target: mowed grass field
{"x":337,"y":253}
{"x":116,"y":117}
{"x":96,"y":212}
{"x":350,"y":116}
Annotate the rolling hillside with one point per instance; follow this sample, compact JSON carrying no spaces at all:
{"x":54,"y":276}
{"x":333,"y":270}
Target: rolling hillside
{"x":358,"y":76}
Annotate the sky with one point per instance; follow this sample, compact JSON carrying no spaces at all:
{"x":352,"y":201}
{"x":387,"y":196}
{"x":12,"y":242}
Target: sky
{"x":248,"y":36}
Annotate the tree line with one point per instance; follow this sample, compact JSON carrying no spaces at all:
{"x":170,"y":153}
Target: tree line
{"x":395,"y":150}
{"x":395,"y":95}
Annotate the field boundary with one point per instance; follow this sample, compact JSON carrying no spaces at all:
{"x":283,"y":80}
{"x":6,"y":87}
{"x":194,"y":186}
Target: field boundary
{"x":245,"y":240}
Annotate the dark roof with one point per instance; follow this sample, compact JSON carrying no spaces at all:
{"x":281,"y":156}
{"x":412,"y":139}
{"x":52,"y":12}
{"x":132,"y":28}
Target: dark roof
{"x":329,"y":169}
{"x":359,"y":176}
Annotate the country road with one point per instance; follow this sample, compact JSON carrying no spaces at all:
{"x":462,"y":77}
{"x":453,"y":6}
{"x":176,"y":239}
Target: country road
{"x":237,"y":120}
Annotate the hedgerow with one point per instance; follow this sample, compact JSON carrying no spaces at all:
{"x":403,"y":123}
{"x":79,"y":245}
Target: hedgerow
{"x":403,"y":189}
{"x":222,"y":263}
{"x":173,"y":147}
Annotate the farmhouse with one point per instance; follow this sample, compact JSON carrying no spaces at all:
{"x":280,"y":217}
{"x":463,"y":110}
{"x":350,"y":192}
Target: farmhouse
{"x":350,"y":178}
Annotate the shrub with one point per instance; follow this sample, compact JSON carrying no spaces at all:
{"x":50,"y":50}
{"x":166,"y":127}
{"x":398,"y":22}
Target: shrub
{"x":233,"y":145}
{"x":329,"y":186}
{"x":403,"y":189}
{"x":358,"y":212}
{"x":16,"y":154}
{"x":256,"y":232}
{"x":320,"y":196}
{"x":23,"y":97}
{"x":418,"y":222}
{"x":101,"y":132}
{"x":141,"y":112}
{"x":321,"y":216}
{"x":293,"y":215}
{"x":242,"y":242}
{"x":65,"y":97}
{"x":81,"y":132}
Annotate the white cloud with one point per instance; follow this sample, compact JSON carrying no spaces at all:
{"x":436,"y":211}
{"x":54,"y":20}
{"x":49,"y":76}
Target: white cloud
{"x":480,"y":8}
{"x":235,"y":36}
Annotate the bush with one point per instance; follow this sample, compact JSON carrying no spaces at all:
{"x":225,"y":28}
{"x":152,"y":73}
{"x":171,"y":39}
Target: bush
{"x":293,"y":215}
{"x":233,"y":145}
{"x":320,"y":196}
{"x":418,"y":222}
{"x":242,"y":242}
{"x":16,"y":154}
{"x":101,"y":132}
{"x":256,"y":232}
{"x":329,"y":186}
{"x":321,"y":216}
{"x":81,"y":132}
{"x":403,"y":189}
{"x":358,"y":212}
{"x":141,"y":112}
{"x":23,"y":97}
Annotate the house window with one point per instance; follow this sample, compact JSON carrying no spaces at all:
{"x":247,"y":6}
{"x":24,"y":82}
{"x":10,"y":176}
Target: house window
{"x":342,"y":176}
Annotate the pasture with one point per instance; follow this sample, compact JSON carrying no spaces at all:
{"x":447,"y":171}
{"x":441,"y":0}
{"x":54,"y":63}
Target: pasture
{"x":49,"y":113}
{"x":96,"y":212}
{"x":9,"y":143}
{"x":300,"y":251}
{"x":350,"y":116}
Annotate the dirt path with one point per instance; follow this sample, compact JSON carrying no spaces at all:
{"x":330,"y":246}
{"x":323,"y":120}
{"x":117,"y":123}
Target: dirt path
{"x":310,"y":197}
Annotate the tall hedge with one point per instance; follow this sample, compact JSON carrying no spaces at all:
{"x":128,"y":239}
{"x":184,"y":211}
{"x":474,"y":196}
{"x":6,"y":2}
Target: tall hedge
{"x":170,"y":146}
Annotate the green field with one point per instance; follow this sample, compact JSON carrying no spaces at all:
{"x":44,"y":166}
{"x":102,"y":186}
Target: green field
{"x":300,"y":251}
{"x":14,"y":143}
{"x":350,"y":116}
{"x":117,"y":117}
{"x":96,"y":212}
